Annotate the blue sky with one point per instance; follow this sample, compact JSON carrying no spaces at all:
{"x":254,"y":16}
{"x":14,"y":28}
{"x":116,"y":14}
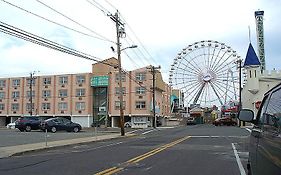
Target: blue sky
{"x":163,"y":28}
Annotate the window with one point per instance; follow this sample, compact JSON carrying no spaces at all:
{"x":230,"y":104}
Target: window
{"x":28,"y":106}
{"x":16,"y":94}
{"x":46,"y":106}
{"x":80,"y":106}
{"x":63,"y":93}
{"x":2,"y":83}
{"x":63,"y":80}
{"x":15,"y":106}
{"x":47,"y":81}
{"x":28,"y":94}
{"x":62,"y":106}
{"x":117,"y":90}
{"x":272,"y":115}
{"x":80,"y":92}
{"x":2,"y":106}
{"x":140,"y":76}
{"x":140,"y":104}
{"x":80,"y":79}
{"x":2,"y":95}
{"x":32,"y":81}
{"x":123,"y":77}
{"x":117,"y":105}
{"x":140,"y":90}
{"x":46,"y":94}
{"x":16,"y":82}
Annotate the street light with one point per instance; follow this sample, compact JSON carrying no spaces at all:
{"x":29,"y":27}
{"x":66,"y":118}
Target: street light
{"x":129,"y":47}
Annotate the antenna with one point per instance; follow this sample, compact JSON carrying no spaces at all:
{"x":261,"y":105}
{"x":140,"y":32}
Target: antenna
{"x":249,"y":33}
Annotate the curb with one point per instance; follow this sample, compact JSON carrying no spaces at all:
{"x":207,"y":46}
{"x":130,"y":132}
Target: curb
{"x":17,"y":150}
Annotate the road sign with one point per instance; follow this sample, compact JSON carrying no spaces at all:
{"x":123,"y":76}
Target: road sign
{"x":99,"y":81}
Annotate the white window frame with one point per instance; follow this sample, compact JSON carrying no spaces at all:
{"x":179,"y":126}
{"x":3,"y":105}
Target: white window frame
{"x":141,"y":76}
{"x":62,"y":106}
{"x":140,"y":90}
{"x":117,"y":105}
{"x":15,"y":106}
{"x":16,"y":94}
{"x":46,"y":93}
{"x":16,"y":82}
{"x":80,"y":92}
{"x":80,"y":79}
{"x":79,"y":106}
{"x":140,"y":104}
{"x":2,"y":83}
{"x":62,"y":93}
{"x":47,"y":80}
{"x":46,"y":106}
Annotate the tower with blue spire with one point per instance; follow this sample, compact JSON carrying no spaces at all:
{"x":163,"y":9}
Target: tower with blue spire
{"x":252,"y":65}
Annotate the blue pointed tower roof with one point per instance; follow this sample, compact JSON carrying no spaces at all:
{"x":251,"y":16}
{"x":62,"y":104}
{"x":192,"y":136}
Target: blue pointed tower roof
{"x":251,"y":57}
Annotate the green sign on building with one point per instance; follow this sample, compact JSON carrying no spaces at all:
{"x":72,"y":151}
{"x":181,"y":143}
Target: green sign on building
{"x":99,"y":81}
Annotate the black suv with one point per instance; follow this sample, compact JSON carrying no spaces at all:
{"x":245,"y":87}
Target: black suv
{"x":60,"y":123}
{"x":27,"y":123}
{"x":265,"y":139}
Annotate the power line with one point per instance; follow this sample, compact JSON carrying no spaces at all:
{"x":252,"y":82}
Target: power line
{"x":100,"y":7}
{"x":104,"y":38}
{"x":56,"y":23}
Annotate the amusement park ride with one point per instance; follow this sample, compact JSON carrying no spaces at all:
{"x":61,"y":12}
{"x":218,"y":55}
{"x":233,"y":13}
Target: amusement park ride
{"x":209,"y":73}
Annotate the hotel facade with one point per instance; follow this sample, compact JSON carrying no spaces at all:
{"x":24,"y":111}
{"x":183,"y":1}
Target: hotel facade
{"x":87,"y":98}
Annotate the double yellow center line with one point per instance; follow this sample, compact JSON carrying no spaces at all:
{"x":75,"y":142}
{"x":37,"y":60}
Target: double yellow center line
{"x":141,"y":157}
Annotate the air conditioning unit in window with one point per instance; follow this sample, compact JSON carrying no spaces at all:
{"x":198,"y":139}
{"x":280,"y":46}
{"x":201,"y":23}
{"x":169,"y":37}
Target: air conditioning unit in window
{"x":1,"y":89}
{"x":15,"y":88}
{"x":80,"y":98}
{"x":46,"y":86}
{"x":45,"y":112}
{"x":62,"y":99}
{"x":140,"y":97}
{"x":15,"y":100}
{"x":14,"y":112}
{"x":0,"y":112}
{"x":62,"y":112}
{"x":0,"y":100}
{"x":79,"y":112}
{"x":46,"y":99}
{"x":80,"y":85}
{"x":63,"y":85}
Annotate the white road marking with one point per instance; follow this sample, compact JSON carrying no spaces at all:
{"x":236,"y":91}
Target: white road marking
{"x":241,"y":168}
{"x":147,"y":132}
{"x":248,"y":129}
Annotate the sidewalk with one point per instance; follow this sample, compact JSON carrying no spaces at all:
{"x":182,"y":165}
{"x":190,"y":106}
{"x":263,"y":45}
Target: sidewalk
{"x":14,"y":150}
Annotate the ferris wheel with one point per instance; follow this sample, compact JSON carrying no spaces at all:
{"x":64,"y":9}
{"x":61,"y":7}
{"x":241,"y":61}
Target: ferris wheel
{"x":207,"y":73}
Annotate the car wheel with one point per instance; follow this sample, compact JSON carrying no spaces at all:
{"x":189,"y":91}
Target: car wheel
{"x":75,"y":129}
{"x":54,"y":129}
{"x":28,"y":128}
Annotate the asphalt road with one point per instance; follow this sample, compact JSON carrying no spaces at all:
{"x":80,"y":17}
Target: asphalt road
{"x":199,"y":149}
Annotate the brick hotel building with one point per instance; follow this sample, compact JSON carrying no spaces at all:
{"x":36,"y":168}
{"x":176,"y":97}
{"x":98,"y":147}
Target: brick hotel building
{"x":86,"y":97}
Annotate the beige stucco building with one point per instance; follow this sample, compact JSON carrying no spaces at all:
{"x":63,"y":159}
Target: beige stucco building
{"x":86,"y":97}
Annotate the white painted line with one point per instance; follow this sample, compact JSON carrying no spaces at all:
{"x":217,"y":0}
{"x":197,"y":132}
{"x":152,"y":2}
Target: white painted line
{"x":241,"y":168}
{"x":147,"y":132}
{"x":248,"y":129}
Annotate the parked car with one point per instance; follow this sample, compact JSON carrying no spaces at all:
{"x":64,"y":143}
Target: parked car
{"x":190,"y":121}
{"x":128,"y":125}
{"x":224,"y":121}
{"x":11,"y":125}
{"x":265,"y":139}
{"x":27,"y":123}
{"x":60,"y":123}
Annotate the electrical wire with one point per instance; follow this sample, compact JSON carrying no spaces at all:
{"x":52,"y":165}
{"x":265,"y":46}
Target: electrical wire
{"x":56,"y":23}
{"x":104,"y":38}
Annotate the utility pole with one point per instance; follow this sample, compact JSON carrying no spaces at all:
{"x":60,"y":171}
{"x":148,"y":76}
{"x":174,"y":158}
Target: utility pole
{"x":119,"y":33}
{"x":153,"y":71}
{"x":31,"y":79}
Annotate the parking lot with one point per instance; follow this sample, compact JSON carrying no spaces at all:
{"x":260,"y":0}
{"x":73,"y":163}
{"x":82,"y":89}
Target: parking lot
{"x":12,"y":137}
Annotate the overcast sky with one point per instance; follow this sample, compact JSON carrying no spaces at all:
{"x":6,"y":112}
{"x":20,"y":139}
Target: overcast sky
{"x":160,"y":28}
